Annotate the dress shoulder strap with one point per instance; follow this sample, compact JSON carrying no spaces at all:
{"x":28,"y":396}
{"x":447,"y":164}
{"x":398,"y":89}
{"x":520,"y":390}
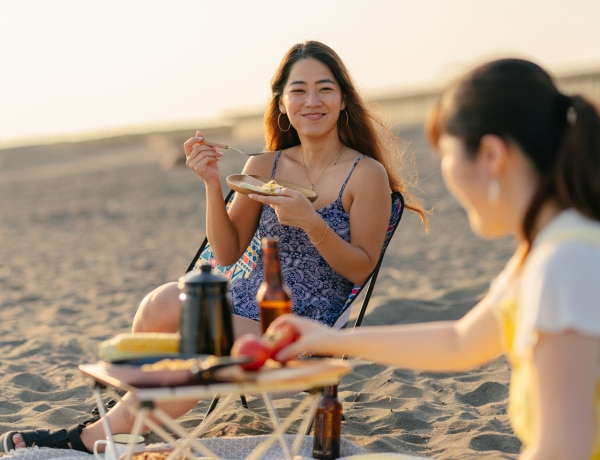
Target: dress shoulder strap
{"x":349,"y":174}
{"x":277,"y":155}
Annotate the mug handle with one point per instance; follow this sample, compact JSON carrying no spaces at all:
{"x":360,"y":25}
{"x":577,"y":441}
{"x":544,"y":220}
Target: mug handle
{"x":95,"y":450}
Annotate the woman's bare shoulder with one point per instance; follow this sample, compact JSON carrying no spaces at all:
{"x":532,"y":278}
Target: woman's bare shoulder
{"x":369,"y":181}
{"x":369,"y":168}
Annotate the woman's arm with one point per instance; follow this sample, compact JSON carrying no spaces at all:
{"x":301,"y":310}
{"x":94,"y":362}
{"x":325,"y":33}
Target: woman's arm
{"x":228,"y":233}
{"x":441,"y":346}
{"x":563,"y":392}
{"x":369,"y":213}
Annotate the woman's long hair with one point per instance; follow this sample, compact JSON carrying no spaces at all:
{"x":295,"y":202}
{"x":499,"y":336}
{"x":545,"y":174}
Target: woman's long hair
{"x":517,"y":100}
{"x":358,"y":128}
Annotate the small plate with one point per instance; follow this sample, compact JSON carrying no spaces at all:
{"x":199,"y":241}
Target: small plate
{"x":302,"y":369}
{"x":250,"y":183}
{"x":183,"y":370}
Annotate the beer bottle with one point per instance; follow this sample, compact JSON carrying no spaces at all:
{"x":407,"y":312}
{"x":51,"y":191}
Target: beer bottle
{"x":328,"y":426}
{"x":273,"y":297}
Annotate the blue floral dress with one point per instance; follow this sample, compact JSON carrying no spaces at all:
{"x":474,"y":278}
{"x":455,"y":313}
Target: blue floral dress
{"x":318,"y":291}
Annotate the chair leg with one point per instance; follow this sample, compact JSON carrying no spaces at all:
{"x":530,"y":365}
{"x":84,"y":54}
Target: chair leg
{"x":215,"y":400}
{"x":309,"y":427}
{"x":212,"y":406}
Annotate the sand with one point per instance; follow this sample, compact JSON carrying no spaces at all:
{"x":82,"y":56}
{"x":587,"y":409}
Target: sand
{"x":88,"y":228}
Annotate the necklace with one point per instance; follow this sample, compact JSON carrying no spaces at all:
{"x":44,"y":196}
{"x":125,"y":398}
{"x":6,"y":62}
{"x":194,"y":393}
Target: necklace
{"x":333,"y":162}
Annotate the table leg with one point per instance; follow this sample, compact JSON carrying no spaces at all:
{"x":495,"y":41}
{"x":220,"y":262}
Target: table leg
{"x":107,"y":430}
{"x":186,"y":439}
{"x":276,"y":423}
{"x":143,"y":418}
{"x":309,"y":403}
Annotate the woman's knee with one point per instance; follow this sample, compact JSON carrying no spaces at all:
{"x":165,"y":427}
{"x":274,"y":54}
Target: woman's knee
{"x":159,"y":310}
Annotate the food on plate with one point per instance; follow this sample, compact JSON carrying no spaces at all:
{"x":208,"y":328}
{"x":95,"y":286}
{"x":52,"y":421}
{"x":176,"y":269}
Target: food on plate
{"x":150,"y":454}
{"x":279,"y":338}
{"x":269,"y":187}
{"x":253,"y":346}
{"x":129,"y":346}
{"x":170,"y":364}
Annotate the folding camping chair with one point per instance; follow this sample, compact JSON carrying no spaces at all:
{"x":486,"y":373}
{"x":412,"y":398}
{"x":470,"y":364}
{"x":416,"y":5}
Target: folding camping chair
{"x":246,"y":263}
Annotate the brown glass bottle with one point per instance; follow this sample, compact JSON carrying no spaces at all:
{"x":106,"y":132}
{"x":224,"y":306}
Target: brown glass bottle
{"x":328,"y":426}
{"x":273,"y":297}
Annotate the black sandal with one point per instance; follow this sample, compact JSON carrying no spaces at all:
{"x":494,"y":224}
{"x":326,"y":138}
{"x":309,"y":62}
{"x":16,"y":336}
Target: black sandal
{"x":108,"y":405}
{"x":58,"y":439}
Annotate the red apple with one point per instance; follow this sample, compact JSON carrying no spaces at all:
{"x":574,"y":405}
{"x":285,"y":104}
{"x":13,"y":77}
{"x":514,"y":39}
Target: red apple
{"x":280,"y":338}
{"x":253,"y":346}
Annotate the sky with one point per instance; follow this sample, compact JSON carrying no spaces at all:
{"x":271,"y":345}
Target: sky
{"x":87,"y":68}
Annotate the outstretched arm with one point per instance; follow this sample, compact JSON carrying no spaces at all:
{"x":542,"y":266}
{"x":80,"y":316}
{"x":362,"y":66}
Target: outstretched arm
{"x":441,"y":346}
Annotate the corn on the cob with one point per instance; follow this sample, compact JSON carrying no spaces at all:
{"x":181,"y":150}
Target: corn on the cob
{"x":127,"y":346}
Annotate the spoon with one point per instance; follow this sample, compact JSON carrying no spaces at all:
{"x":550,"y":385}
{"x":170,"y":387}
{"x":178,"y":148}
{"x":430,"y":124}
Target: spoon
{"x":229,"y":147}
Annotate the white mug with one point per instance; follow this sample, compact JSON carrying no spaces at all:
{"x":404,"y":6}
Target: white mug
{"x":121,"y":442}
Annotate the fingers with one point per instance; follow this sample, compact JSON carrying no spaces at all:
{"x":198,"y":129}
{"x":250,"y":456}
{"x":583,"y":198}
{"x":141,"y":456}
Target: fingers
{"x":314,"y":337}
{"x":297,"y":348}
{"x":264,"y":199}
{"x":198,"y":154}
{"x":197,"y":139}
{"x":290,"y":352}
{"x":293,"y":349}
{"x":276,"y":198}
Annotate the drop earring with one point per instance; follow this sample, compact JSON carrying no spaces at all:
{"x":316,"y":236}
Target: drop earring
{"x":493,"y":191}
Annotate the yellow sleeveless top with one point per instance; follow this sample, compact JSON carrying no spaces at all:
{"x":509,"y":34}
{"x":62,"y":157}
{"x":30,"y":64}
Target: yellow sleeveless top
{"x":519,"y":408}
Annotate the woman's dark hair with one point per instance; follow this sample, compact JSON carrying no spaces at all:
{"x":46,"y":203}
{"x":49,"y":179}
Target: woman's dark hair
{"x":358,"y":128}
{"x":517,"y":100}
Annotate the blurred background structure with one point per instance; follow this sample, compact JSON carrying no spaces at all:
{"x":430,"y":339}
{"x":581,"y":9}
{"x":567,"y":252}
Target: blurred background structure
{"x":74,"y":70}
{"x":409,"y":108}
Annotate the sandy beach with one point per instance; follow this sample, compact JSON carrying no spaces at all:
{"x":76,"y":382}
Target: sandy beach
{"x":89,"y":228}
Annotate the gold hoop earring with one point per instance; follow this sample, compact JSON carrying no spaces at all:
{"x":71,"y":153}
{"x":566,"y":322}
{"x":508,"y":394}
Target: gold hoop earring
{"x":347,"y":119}
{"x":279,"y":124}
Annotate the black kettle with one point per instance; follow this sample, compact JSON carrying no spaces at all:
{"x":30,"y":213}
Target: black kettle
{"x":206,"y":324}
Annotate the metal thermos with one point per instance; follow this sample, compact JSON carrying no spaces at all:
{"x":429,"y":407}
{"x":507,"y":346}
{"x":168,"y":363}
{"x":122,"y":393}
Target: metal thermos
{"x":206,"y":324}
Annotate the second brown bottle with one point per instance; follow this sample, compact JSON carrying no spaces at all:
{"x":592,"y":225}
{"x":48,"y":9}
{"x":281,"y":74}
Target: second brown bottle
{"x":273,"y":297}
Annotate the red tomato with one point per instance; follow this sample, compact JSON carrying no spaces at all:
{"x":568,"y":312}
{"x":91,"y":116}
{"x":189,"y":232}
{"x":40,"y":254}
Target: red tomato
{"x":254,"y":346}
{"x":280,"y":338}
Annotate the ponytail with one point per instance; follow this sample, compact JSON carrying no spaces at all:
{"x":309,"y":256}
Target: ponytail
{"x":573,"y":180}
{"x":576,"y":174}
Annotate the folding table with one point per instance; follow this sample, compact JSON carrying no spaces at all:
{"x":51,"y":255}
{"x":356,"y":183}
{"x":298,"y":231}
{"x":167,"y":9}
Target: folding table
{"x":307,"y":377}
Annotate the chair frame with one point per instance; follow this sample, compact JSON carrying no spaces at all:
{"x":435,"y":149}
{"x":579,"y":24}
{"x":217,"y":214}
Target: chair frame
{"x":248,"y":262}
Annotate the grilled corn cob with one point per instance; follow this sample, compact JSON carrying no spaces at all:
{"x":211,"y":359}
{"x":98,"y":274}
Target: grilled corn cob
{"x":128,"y":346}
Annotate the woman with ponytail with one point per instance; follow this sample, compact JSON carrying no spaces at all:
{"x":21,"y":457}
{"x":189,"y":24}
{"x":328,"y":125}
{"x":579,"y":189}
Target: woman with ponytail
{"x":523,"y":159}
